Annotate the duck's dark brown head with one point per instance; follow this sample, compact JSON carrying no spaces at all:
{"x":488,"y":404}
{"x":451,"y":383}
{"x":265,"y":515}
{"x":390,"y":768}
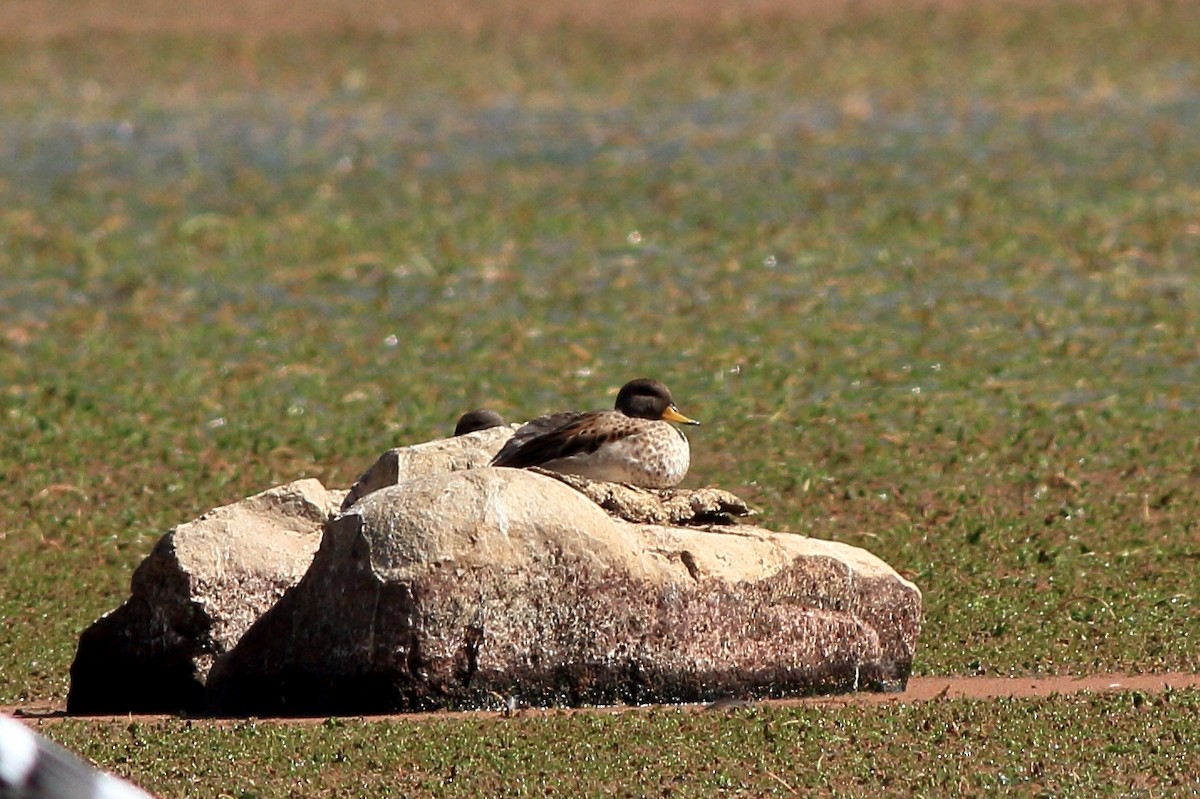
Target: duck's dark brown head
{"x":649,"y":399}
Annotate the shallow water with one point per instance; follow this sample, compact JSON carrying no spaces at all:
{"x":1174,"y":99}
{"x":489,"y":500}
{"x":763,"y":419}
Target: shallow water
{"x":918,"y":221}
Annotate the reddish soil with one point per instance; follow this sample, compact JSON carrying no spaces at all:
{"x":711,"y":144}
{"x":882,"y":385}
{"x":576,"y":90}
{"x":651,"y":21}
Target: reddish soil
{"x":920,"y":689}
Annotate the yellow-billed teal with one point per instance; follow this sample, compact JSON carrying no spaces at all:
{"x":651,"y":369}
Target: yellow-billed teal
{"x":634,"y":444}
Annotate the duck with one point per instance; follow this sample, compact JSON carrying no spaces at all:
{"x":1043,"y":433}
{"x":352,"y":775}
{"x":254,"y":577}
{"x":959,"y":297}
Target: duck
{"x":635,"y":443}
{"x":478,"y":419}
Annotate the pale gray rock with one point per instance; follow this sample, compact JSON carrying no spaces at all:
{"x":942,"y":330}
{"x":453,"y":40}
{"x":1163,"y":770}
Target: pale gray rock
{"x":486,"y":586}
{"x":465,"y":451}
{"x":194,"y":596}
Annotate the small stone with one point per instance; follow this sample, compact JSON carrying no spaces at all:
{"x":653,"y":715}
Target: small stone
{"x":681,"y":506}
{"x":465,"y":451}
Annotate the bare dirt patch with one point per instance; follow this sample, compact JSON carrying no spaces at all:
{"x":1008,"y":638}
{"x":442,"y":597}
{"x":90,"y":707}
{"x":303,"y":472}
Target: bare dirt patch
{"x":924,"y":689}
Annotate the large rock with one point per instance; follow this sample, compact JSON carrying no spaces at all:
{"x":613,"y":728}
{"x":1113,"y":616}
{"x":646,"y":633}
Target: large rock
{"x":191,"y":599}
{"x":490,"y":585}
{"x":207,"y":581}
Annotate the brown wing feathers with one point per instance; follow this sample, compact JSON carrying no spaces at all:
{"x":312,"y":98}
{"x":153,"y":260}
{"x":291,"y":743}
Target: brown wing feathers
{"x":578,"y":436}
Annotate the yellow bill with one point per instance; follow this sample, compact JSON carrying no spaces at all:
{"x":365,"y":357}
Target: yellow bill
{"x":672,"y":414}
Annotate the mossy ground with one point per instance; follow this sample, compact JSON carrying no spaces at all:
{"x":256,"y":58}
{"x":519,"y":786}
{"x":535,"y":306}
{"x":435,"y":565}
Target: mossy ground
{"x":928,"y":275}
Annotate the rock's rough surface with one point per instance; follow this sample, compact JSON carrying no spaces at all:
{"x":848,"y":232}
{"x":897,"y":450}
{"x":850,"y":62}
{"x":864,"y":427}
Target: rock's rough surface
{"x":469,"y":588}
{"x":467,"y":451}
{"x":685,"y":506}
{"x":201,"y":587}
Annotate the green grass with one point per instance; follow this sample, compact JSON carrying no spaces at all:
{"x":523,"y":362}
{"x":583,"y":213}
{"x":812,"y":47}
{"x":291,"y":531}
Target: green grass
{"x":928,"y":277}
{"x":1124,"y":744}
